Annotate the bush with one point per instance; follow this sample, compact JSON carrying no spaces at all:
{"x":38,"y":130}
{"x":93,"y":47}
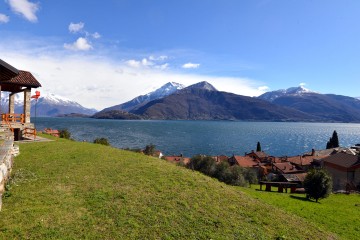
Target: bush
{"x":149,"y":150}
{"x":64,"y":133}
{"x":102,"y":141}
{"x":204,"y":164}
{"x":317,"y":184}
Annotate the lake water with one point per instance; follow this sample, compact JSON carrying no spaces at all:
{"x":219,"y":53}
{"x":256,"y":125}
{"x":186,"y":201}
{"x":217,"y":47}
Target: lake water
{"x":207,"y":137}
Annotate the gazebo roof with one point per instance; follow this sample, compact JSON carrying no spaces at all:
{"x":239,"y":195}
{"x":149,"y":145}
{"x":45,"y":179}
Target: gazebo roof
{"x":7,"y":71}
{"x":23,"y":79}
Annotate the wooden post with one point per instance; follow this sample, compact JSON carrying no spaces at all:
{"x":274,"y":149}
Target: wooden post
{"x":27,"y":104}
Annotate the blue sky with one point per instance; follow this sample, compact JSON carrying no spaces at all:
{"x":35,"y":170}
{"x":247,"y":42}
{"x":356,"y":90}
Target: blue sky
{"x":102,"y":53}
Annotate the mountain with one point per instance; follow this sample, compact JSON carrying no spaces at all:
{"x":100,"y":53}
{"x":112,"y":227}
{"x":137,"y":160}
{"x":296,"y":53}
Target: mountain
{"x":202,"y":101}
{"x":165,"y":90}
{"x":51,"y":105}
{"x":48,"y":105}
{"x":294,"y":91}
{"x":328,"y":107}
{"x":116,"y":114}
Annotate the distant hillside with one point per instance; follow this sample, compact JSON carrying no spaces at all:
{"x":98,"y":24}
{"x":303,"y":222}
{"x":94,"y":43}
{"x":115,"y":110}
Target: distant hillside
{"x":202,"y":102}
{"x":116,"y":114}
{"x":329,"y":107}
{"x":139,"y":101}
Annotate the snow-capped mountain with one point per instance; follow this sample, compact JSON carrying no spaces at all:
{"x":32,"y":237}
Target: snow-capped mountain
{"x":293,"y":91}
{"x":48,"y":105}
{"x":202,"y":85}
{"x":165,"y":90}
{"x":51,"y":105}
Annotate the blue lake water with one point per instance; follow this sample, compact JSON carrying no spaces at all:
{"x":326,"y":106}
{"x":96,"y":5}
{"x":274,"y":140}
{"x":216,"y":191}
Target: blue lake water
{"x":207,"y":137}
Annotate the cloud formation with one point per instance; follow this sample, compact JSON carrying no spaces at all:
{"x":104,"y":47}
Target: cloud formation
{"x":4,"y":18}
{"x":191,"y":65}
{"x":95,"y":81}
{"x":81,"y":44}
{"x":76,"y":27}
{"x":96,"y":35}
{"x":25,"y":8}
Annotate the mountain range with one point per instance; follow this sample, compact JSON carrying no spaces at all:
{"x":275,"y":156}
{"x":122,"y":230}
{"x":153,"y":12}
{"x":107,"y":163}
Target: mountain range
{"x":48,"y":105}
{"x":202,"y":101}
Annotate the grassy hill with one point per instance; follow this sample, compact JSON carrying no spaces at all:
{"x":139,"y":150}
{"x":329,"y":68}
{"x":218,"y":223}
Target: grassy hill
{"x":75,"y":190}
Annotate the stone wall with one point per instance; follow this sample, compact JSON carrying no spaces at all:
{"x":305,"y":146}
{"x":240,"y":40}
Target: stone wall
{"x":6,"y":158}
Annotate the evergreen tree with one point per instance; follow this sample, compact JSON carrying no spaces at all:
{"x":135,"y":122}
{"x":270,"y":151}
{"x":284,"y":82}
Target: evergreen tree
{"x":333,"y":141}
{"x":258,"y":147}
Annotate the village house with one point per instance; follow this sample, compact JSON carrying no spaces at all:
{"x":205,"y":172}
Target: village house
{"x":17,"y":81}
{"x":177,"y":159}
{"x":344,"y":168}
{"x":243,"y":161}
{"x":52,"y":132}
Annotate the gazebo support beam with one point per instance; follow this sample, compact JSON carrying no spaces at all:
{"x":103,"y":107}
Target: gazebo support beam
{"x":12,"y":103}
{"x":27,"y":104}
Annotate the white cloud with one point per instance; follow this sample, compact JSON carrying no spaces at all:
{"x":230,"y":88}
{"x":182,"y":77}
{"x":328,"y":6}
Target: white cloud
{"x":4,"y":18}
{"x":81,"y":44}
{"x":159,"y":58}
{"x":98,"y":82}
{"x":25,"y":8}
{"x":133,"y":63}
{"x":302,"y":84}
{"x":76,"y":27}
{"x":96,"y":35}
{"x":163,"y":66}
{"x":191,"y":65}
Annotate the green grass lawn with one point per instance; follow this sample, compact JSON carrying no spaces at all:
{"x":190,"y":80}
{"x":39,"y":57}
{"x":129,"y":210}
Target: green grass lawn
{"x":75,"y":190}
{"x":338,"y":213}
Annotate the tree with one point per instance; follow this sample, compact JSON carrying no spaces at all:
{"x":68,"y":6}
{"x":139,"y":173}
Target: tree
{"x":204,"y":164}
{"x":149,"y":150}
{"x":333,"y":141}
{"x":317,"y":184}
{"x":102,"y":141}
{"x":258,"y":147}
{"x":64,"y":133}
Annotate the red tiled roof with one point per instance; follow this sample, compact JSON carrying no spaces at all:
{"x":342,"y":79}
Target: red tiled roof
{"x":244,"y":161}
{"x":286,"y":167}
{"x":303,"y":160}
{"x":25,"y":79}
{"x":343,"y":160}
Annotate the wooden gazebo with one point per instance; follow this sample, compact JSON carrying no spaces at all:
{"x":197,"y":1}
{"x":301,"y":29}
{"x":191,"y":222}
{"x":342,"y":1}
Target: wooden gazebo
{"x":16,"y":81}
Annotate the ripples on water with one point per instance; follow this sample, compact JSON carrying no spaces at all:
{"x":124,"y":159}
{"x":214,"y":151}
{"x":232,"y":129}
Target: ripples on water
{"x":208,"y":137}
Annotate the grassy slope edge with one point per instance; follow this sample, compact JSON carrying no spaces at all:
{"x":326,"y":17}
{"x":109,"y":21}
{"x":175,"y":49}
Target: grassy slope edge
{"x":74,"y":190}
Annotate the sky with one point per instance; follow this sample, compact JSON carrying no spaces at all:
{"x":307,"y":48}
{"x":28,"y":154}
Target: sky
{"x":103,"y":53}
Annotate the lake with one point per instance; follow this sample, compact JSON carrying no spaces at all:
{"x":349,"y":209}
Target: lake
{"x":207,"y":137}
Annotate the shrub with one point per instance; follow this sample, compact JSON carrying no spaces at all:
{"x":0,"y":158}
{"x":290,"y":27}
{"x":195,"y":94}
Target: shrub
{"x":204,"y":164}
{"x":317,"y":184}
{"x":64,"y":133}
{"x":149,"y":150}
{"x":102,"y":141}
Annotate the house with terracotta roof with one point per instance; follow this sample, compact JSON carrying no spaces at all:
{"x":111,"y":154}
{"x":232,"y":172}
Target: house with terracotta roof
{"x":243,"y":161}
{"x":344,"y":169}
{"x":17,"y":81}
{"x":258,"y":155}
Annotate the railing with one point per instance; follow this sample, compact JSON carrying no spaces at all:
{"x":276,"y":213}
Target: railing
{"x":9,"y":118}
